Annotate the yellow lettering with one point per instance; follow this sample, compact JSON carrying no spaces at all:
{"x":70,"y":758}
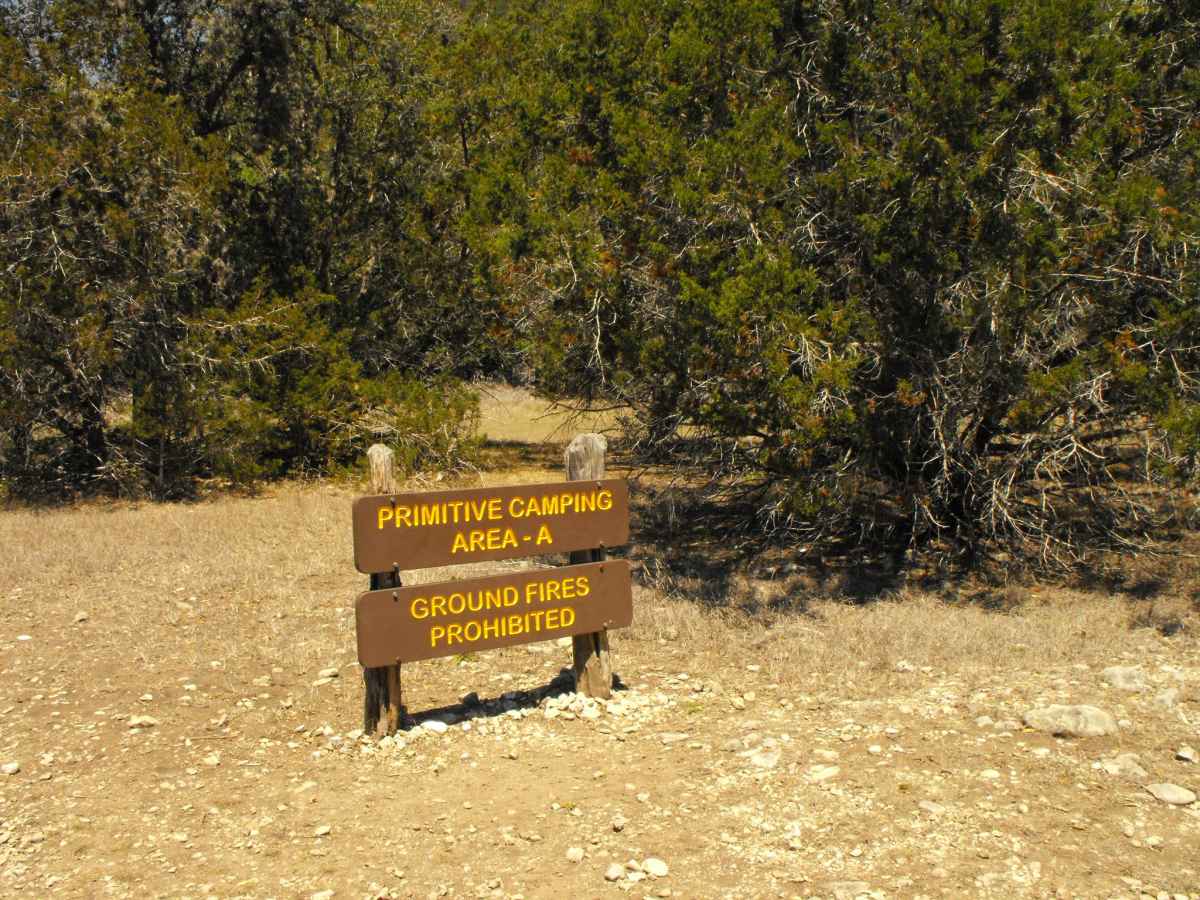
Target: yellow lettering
{"x":493,"y":509}
{"x":437,"y":606}
{"x":604,"y":499}
{"x":477,"y":540}
{"x":436,"y":633}
{"x":467,"y":631}
{"x":552,"y":591}
{"x":551,"y":619}
{"x":385,"y":514}
{"x":454,"y":633}
{"x":582,"y":584}
{"x":533,"y":591}
{"x":543,"y":536}
{"x":403,"y":514}
{"x":568,"y":588}
{"x":456,"y":600}
{"x":510,"y":596}
{"x":515,"y":625}
{"x":585,"y":503}
{"x":537,"y":620}
{"x":493,"y":628}
{"x":566,"y":617}
{"x":460,"y":543}
{"x":567,"y":502}
{"x":419,"y":608}
{"x":510,"y":539}
{"x":515,"y":509}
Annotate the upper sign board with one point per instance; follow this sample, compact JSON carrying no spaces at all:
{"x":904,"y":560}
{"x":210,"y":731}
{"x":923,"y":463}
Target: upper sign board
{"x":415,"y":531}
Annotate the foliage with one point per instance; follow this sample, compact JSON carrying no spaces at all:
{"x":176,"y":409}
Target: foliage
{"x":929,"y":267}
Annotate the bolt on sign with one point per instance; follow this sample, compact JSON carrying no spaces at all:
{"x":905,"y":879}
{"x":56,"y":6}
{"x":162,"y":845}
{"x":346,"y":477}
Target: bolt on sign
{"x":412,"y":623}
{"x":413,"y":531}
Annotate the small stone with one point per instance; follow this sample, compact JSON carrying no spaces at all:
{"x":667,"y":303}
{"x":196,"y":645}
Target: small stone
{"x":575,"y":854}
{"x":1168,"y":698}
{"x":934,"y":809}
{"x":321,"y":895}
{"x":989,"y":774}
{"x":10,"y":768}
{"x":823,"y":773}
{"x":1171,"y":793}
{"x":213,"y":759}
{"x":655,"y":867}
{"x":619,"y":823}
{"x":437,"y":726}
{"x":322,"y":830}
{"x":81,"y":617}
{"x":1071,"y":721}
{"x":672,"y":737}
{"x":1124,"y":678}
{"x":146,"y":698}
{"x":984,"y":721}
{"x":765,"y":759}
{"x":1124,"y":764}
{"x":142,"y":721}
{"x":847,"y":890}
{"x":1185,"y":754}
{"x":614,"y":872}
{"x":827,"y":755}
{"x":331,"y":672}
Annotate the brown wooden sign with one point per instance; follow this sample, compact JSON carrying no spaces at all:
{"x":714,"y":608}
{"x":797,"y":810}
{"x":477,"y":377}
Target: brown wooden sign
{"x":413,"y":531}
{"x":430,"y":620}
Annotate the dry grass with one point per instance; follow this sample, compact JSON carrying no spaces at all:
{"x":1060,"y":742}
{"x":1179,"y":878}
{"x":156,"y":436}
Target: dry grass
{"x":513,"y":415}
{"x":269,"y":581}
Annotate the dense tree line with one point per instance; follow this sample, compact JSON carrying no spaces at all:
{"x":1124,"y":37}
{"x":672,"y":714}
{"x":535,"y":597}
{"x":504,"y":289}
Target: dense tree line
{"x":915,"y":274}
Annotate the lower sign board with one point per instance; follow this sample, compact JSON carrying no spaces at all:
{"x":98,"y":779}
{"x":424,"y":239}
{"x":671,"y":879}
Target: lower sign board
{"x":430,"y":620}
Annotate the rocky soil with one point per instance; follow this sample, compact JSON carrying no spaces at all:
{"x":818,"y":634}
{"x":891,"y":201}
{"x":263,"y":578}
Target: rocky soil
{"x":204,"y":742}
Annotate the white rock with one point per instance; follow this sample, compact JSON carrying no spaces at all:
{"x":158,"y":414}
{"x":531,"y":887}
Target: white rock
{"x":655,"y":867}
{"x":10,"y":768}
{"x":437,"y":726}
{"x":1185,"y":754}
{"x":331,"y":672}
{"x":321,"y":895}
{"x":619,"y":823}
{"x":764,"y":758}
{"x":81,"y":617}
{"x":614,"y":872}
{"x":575,"y":854}
{"x":989,"y":774}
{"x":847,"y":890}
{"x":1172,"y":794}
{"x":1167,"y":698}
{"x":1124,"y":764}
{"x":823,"y":773}
{"x":213,"y":759}
{"x":934,"y":809}
{"x":322,"y":830}
{"x":1124,"y":678}
{"x":142,"y":721}
{"x":1072,"y":721}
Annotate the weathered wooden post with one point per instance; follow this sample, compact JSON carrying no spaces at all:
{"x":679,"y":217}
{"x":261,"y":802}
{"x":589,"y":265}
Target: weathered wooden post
{"x":382,"y":700}
{"x":592,"y":663}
